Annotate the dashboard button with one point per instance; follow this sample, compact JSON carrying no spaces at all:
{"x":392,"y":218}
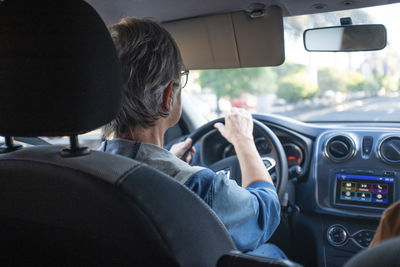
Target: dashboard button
{"x":367,"y":145}
{"x":359,"y":235}
{"x":337,"y":235}
{"x":363,"y":238}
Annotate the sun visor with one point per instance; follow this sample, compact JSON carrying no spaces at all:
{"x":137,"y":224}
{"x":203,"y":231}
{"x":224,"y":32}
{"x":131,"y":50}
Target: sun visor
{"x":230,"y":40}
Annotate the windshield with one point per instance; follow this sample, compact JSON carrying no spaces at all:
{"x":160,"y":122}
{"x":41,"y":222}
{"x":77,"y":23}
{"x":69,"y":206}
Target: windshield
{"x":312,"y":86}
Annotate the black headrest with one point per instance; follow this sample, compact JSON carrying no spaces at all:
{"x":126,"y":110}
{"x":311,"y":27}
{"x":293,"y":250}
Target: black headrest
{"x":59,"y":72}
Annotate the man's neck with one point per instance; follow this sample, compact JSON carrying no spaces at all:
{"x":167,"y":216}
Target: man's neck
{"x":152,"y":135}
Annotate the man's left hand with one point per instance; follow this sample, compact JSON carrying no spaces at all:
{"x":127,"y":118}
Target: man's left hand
{"x":179,"y":149}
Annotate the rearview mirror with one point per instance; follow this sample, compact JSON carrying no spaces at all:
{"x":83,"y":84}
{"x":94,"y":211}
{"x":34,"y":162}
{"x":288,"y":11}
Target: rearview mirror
{"x":345,"y":38}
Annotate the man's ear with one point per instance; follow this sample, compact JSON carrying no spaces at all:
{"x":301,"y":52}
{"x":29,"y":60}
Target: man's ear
{"x":168,"y":97}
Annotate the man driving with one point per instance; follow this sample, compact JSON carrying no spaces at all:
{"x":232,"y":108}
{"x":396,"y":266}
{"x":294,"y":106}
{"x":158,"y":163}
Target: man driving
{"x":152,"y":68}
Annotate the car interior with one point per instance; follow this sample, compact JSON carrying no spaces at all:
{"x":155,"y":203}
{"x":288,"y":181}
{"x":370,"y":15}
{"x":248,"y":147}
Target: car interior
{"x":68,"y":204}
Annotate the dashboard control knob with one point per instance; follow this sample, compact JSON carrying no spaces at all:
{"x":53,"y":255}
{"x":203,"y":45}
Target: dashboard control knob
{"x":337,"y":235}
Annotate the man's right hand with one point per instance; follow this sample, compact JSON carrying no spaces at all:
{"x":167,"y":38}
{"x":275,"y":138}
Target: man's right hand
{"x":238,"y":130}
{"x":238,"y":126}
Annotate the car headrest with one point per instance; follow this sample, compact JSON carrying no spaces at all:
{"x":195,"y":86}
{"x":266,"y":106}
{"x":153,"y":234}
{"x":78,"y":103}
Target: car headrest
{"x":59,"y":71}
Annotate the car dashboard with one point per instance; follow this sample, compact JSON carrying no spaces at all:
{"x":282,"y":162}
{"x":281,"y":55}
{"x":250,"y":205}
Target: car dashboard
{"x":354,"y":171}
{"x":342,"y":176}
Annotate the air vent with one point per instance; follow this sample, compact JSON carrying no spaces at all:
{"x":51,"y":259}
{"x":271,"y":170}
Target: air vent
{"x":340,"y":148}
{"x":389,"y":150}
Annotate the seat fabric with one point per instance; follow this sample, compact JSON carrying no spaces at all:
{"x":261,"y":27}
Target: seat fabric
{"x":60,"y":74}
{"x":101,"y":208}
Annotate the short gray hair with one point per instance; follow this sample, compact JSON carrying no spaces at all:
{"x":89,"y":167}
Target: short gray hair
{"x":150,"y":59}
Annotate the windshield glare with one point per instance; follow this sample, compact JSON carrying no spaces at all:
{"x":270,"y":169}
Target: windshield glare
{"x":312,"y":86}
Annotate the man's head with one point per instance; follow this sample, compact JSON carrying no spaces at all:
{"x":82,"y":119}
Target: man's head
{"x":151,"y":66}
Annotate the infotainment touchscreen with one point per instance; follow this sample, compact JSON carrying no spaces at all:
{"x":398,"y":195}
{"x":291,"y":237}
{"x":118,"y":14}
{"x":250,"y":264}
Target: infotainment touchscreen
{"x":363,"y":190}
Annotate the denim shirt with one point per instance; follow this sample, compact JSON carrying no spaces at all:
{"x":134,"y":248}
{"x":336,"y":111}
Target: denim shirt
{"x":250,"y":214}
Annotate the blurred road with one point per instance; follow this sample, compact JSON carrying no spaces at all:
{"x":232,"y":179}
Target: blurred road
{"x":370,"y":109}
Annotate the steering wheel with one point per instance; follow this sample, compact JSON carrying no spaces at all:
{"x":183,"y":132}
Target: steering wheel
{"x":230,"y":165}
